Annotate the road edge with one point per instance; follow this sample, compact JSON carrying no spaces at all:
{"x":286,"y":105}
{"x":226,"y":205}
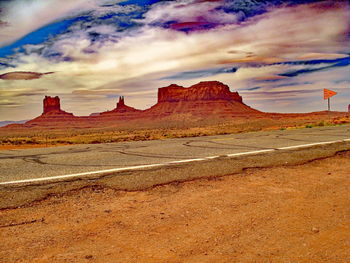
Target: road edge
{"x":140,"y":178}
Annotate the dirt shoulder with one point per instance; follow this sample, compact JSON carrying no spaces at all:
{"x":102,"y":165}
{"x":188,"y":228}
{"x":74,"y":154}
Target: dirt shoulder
{"x":283,"y":214}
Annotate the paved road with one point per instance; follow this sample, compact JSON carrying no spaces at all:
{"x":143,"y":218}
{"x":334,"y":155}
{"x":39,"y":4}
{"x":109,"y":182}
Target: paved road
{"x":65,"y":160}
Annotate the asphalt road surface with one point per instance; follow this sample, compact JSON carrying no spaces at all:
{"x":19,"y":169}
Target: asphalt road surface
{"x":66,"y":160}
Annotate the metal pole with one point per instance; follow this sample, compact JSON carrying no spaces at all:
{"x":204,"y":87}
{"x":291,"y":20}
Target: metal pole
{"x":329,"y":104}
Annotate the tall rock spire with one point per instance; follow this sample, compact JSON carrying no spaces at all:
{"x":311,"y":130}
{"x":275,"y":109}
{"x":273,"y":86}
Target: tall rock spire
{"x":121,"y":108}
{"x":121,"y":102}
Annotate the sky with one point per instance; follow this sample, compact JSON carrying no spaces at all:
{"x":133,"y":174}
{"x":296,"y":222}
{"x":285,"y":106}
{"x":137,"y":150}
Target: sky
{"x":279,"y":55}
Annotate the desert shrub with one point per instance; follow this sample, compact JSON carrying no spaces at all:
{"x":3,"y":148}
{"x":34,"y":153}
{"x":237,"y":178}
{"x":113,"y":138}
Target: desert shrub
{"x":31,"y":141}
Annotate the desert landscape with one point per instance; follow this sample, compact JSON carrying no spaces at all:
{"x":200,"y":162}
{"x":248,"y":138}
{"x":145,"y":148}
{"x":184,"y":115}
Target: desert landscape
{"x":207,"y":108}
{"x":174,"y":131}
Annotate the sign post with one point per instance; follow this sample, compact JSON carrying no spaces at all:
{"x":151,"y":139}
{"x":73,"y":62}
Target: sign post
{"x":327,"y":94}
{"x":329,"y":104}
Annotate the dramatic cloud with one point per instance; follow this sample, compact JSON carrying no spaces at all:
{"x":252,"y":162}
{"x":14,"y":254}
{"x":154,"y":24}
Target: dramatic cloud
{"x":22,"y":17}
{"x":200,"y":73}
{"x":281,"y":50}
{"x":189,"y":15}
{"x":18,"y":75}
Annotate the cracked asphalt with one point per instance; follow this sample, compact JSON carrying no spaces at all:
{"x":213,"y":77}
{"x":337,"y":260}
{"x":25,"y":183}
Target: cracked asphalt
{"x":63,"y":160}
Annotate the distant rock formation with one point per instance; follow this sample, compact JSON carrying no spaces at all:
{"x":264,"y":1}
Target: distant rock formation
{"x":121,"y":102}
{"x":205,"y":100}
{"x":4,"y":123}
{"x":52,"y":114}
{"x":206,"y":90}
{"x":121,"y":108}
{"x":51,"y":104}
{"x":210,"y":100}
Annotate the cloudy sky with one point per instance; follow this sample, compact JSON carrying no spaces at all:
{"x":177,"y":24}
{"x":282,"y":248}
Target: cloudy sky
{"x":279,"y":54}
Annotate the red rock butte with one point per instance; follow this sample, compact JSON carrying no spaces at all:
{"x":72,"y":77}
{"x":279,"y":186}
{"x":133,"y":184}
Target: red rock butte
{"x":205,"y":100}
{"x":51,"y":104}
{"x":210,"y":90}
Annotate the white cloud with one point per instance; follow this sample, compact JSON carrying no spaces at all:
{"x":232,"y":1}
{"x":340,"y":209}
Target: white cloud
{"x":134,"y":64}
{"x":189,"y":11}
{"x":22,"y":17}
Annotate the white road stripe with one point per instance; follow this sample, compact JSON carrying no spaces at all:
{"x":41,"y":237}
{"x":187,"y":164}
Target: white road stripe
{"x":308,"y":145}
{"x":250,"y":153}
{"x":139,"y":167}
{"x":187,"y":160}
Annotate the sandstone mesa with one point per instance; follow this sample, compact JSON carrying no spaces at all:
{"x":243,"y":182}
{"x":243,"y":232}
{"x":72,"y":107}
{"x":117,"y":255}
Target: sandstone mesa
{"x":204,"y":100}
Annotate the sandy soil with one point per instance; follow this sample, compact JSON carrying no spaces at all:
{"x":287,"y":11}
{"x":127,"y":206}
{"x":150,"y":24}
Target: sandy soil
{"x":283,"y":214}
{"x":27,"y":146}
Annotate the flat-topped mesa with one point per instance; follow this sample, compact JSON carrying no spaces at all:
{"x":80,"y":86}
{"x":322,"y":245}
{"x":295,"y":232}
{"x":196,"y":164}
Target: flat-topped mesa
{"x":209,"y":100}
{"x":206,"y":90}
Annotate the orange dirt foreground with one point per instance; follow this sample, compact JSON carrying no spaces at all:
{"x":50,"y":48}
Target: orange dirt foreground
{"x":282,"y":214}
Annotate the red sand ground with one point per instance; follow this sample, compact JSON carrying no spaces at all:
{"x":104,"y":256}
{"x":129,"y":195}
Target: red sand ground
{"x":284,"y":214}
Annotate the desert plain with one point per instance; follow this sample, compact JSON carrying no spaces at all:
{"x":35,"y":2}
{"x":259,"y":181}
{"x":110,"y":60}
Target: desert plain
{"x":288,"y":212}
{"x":296,"y":213}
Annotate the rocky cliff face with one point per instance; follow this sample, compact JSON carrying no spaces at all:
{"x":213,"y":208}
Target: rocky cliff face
{"x":208,"y":90}
{"x":51,"y":104}
{"x":205,"y":100}
{"x":52,"y":115}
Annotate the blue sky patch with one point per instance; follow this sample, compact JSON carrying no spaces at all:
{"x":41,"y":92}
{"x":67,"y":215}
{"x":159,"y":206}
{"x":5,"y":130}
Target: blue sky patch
{"x":140,"y":2}
{"x":254,"y":88}
{"x":37,"y":37}
{"x":199,"y":73}
{"x":344,"y":62}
